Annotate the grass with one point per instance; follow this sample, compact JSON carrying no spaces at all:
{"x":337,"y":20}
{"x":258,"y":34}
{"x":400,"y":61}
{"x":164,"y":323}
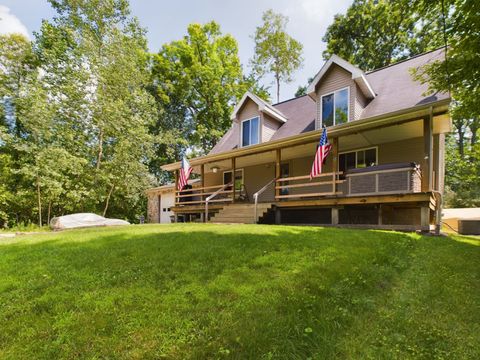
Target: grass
{"x":239,"y":292}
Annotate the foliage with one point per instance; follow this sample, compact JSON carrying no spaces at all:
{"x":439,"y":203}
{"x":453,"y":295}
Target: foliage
{"x":276,"y":52}
{"x":373,"y":34}
{"x":246,"y":292}
{"x":78,"y":113}
{"x":459,"y":74}
{"x":376,"y":33}
{"x":463,"y":174}
{"x":196,"y":80}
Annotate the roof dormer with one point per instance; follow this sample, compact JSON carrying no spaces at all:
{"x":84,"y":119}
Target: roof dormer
{"x":358,"y":76}
{"x":256,"y":120}
{"x":341,"y":91}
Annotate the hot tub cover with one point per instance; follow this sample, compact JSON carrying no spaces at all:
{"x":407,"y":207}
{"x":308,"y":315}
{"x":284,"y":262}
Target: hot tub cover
{"x":80,"y":220}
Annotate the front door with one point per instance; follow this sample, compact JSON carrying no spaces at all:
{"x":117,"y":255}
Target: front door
{"x":227,"y":178}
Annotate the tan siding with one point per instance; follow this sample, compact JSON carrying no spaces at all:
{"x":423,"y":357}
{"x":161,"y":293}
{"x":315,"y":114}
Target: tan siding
{"x":269,"y":127}
{"x":248,"y":111}
{"x":335,"y":79}
{"x":410,"y":150}
{"x":212,"y":179}
{"x":302,"y":167}
{"x":360,"y":103}
{"x":256,"y":177}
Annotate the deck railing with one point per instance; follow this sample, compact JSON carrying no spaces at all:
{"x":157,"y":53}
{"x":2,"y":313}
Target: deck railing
{"x":406,"y":179}
{"x":321,"y":185}
{"x":197,"y":196}
{"x":257,"y":194}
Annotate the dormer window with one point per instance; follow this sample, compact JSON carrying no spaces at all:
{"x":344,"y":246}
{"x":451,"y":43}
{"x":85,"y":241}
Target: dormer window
{"x":250,"y":131}
{"x":335,"y":107}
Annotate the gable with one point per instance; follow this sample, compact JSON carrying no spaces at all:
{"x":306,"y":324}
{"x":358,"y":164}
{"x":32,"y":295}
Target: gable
{"x":248,"y":110}
{"x":336,"y":78}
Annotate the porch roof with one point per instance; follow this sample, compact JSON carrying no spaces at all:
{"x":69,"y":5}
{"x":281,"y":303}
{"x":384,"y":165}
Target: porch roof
{"x":417,"y":112}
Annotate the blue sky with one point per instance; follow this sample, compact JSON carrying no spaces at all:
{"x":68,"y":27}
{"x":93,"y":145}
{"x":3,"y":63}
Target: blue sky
{"x":168,"y":20}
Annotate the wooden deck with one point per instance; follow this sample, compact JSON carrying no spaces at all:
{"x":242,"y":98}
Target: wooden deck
{"x":417,"y":199}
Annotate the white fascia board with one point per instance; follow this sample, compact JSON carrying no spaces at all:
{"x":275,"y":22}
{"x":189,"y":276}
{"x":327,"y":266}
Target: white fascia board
{"x":273,"y":114}
{"x":357,"y":75}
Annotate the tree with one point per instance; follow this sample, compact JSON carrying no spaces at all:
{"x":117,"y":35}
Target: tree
{"x":276,"y":52}
{"x":196,"y":82}
{"x":302,"y":90}
{"x":377,"y":33}
{"x":76,"y":114}
{"x":459,"y":73}
{"x":109,"y":51}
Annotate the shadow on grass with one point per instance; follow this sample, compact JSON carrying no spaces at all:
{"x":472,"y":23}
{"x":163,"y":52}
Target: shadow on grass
{"x":199,"y":291}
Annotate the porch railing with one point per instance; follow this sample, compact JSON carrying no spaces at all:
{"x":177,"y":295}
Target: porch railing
{"x":197,"y":196}
{"x":384,"y":181}
{"x":297,"y":184}
{"x":257,"y":194}
{"x":212,"y":196}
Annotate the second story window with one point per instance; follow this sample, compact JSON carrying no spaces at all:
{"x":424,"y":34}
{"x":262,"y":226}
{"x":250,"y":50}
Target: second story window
{"x":250,"y":131}
{"x":335,"y":107}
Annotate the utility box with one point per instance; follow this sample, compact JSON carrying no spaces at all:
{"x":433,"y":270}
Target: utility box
{"x":469,"y":226}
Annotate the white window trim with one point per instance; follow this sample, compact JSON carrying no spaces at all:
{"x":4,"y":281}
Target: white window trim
{"x":259,"y":128}
{"x":356,"y":157}
{"x":330,"y":93}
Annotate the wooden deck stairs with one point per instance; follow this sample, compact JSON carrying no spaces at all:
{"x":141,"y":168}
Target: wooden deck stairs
{"x":240,"y":213}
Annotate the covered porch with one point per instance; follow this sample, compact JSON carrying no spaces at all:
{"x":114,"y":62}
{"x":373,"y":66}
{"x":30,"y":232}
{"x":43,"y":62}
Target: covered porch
{"x":375,"y":167}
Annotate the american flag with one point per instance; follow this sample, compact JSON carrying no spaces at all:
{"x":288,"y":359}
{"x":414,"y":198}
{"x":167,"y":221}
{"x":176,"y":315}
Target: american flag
{"x":185,"y":171}
{"x":323,"y":149}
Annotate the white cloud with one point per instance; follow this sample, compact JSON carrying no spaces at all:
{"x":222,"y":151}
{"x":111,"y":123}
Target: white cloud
{"x":9,"y":23}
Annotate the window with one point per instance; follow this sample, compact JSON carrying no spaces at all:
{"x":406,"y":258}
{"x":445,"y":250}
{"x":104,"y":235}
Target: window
{"x":227,"y":178}
{"x":335,"y":107}
{"x":250,"y":131}
{"x":357,"y":159}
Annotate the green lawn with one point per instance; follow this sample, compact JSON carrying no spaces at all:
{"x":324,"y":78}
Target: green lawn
{"x":239,"y":292}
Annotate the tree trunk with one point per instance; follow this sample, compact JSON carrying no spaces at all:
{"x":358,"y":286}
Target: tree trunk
{"x":108,"y":200}
{"x":100,"y":148}
{"x":461,"y":137}
{"x":278,"y":87}
{"x":474,"y":126}
{"x":39,"y":199}
{"x":49,"y":212}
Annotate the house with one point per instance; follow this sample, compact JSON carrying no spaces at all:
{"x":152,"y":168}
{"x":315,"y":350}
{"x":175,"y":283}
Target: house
{"x":385,"y":169}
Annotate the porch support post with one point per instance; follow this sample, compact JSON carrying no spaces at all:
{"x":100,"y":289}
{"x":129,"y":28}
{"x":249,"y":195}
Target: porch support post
{"x":427,"y":171}
{"x":334,"y":216}
{"x":425,"y":218}
{"x":380,"y":214}
{"x":278,"y":216}
{"x":176,"y":188}
{"x":233,"y":179}
{"x":202,"y":185}
{"x":440,"y":182}
{"x":334,"y":164}
{"x":278,"y":162}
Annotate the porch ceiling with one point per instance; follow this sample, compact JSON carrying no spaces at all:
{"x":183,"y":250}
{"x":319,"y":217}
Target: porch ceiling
{"x":358,"y":140}
{"x":356,"y":134}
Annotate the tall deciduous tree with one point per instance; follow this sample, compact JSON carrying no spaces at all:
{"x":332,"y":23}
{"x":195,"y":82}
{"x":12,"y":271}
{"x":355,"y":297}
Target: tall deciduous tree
{"x":109,"y":47}
{"x":276,"y":52}
{"x":376,"y":33}
{"x":196,"y":81}
{"x":460,"y":72}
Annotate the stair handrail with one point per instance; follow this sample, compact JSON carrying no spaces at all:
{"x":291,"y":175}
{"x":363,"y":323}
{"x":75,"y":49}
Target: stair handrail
{"x":259,"y":192}
{"x":211,"y":197}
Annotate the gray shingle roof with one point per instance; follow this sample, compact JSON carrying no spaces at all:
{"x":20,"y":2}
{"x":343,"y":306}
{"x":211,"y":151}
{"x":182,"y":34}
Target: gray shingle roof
{"x":394,"y":86}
